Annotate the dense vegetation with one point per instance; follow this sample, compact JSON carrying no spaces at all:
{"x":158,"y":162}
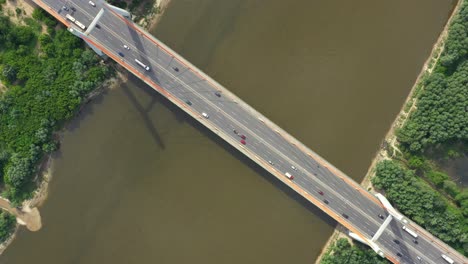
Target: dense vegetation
{"x":48,"y":76}
{"x":417,"y":200}
{"x":7,"y":225}
{"x":442,"y":113}
{"x":439,"y":123}
{"x":343,"y":253}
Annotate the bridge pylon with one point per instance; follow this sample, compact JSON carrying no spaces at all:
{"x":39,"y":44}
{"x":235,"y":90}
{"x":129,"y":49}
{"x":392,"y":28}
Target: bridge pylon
{"x":390,"y":208}
{"x":80,"y":34}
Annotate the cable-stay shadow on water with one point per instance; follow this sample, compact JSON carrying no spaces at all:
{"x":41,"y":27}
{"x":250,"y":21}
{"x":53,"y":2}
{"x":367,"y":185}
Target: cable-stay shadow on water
{"x":144,"y":114}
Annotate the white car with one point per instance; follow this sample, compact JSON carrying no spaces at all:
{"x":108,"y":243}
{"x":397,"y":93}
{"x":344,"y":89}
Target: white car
{"x":92,"y":3}
{"x":294,"y":168}
{"x":126,"y":47}
{"x":205,"y":115}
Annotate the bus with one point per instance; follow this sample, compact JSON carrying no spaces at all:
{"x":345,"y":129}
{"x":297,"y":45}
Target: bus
{"x":142,"y":65}
{"x":69,"y":17}
{"x":83,"y":27}
{"x":411,"y":232}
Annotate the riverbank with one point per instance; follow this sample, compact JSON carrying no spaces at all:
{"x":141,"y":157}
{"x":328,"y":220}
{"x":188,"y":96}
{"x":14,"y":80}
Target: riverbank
{"x":389,"y":147}
{"x":148,"y":19}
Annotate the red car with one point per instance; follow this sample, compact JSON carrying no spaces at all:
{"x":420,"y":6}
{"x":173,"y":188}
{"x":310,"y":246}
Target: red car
{"x":243,"y":142}
{"x":320,"y":192}
{"x":243,"y":136}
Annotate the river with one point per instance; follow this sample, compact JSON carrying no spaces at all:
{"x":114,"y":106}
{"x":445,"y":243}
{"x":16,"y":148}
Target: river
{"x":138,"y":181}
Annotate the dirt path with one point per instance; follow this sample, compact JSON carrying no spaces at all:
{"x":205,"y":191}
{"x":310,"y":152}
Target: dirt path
{"x":389,"y":146}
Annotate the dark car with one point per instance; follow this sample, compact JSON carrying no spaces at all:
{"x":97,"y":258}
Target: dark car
{"x":98,"y":26}
{"x":325,"y":201}
{"x":73,"y":9}
{"x":381,"y":216}
{"x":175,"y":69}
{"x":217,"y":93}
{"x":235,"y":131}
{"x":121,"y":54}
{"x":188,"y":102}
{"x":345,"y":215}
{"x":320,"y":192}
{"x":399,"y":254}
{"x":415,"y":241}
{"x":396,"y":241}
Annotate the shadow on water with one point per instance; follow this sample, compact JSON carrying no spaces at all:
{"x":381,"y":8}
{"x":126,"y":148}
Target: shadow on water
{"x":184,"y":117}
{"x":144,"y":114}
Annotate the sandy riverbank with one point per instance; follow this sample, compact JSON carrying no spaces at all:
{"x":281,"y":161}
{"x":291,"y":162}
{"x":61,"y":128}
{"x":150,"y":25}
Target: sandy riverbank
{"x":389,"y":146}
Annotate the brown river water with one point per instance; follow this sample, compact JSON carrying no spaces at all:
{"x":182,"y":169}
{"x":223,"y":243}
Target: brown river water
{"x":138,"y":181}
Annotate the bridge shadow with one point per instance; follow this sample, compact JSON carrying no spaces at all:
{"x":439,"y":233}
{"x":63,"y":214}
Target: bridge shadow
{"x":401,"y":234}
{"x":181,"y":116}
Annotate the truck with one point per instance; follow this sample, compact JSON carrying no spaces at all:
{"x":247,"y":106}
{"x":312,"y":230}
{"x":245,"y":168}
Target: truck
{"x":69,"y":17}
{"x":142,"y":64}
{"x":446,"y":258}
{"x":411,"y":232}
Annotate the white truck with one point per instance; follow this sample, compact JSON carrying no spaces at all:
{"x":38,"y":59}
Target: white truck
{"x":411,"y":232}
{"x":142,"y":65}
{"x":446,"y":258}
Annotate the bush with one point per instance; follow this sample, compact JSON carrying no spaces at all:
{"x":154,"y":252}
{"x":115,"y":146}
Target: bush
{"x":343,"y":253}
{"x":7,"y":225}
{"x":437,"y":177}
{"x":451,"y":188}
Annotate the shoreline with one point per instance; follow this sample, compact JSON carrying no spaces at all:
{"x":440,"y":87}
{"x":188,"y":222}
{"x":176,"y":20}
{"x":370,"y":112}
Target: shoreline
{"x":389,"y":142}
{"x":29,"y":215}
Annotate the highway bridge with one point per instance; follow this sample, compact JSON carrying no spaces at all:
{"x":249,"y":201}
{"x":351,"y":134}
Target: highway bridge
{"x":368,"y":217}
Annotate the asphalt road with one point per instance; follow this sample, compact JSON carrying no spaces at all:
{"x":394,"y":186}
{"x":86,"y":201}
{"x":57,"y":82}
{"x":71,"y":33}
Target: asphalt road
{"x":268,"y":145}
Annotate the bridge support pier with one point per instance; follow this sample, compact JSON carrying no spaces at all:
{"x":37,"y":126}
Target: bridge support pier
{"x":79,"y":34}
{"x":369,"y":243}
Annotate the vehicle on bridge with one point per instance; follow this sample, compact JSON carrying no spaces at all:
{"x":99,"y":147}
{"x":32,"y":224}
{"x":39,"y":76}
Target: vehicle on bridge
{"x":147,"y":68}
{"x":446,"y":258}
{"x":289,"y":176}
{"x":69,"y":17}
{"x":80,"y":25}
{"x":411,"y":232}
